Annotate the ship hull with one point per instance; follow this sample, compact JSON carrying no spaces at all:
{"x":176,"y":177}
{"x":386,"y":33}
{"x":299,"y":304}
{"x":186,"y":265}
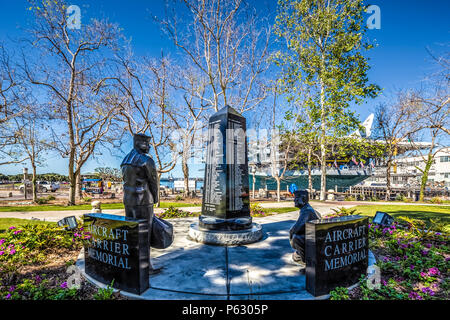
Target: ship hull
{"x":341,"y":181}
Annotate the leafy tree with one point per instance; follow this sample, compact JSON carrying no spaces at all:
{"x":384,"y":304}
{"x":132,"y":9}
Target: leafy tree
{"x":325,"y":42}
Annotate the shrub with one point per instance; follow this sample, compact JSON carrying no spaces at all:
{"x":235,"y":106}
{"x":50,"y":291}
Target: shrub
{"x":41,"y":200}
{"x":339,"y":293}
{"x":87,"y":199}
{"x":257,"y":211}
{"x":172,"y":212}
{"x":436,"y":200}
{"x":31,"y":243}
{"x":179,"y":198}
{"x":105,"y":294}
{"x":350,"y":198}
{"x":342,"y":212}
{"x":50,"y":198}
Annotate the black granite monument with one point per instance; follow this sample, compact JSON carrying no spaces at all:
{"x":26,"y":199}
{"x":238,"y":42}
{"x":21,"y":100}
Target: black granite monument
{"x":226,"y":202}
{"x":117,"y":250}
{"x":337,"y":252}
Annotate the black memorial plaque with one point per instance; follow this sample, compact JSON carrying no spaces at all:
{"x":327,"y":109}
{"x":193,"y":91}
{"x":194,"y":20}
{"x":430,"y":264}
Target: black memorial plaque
{"x":336,"y":253}
{"x":117,"y":250}
{"x":226,"y":202}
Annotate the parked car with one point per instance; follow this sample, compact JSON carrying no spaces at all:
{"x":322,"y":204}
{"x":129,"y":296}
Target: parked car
{"x":42,"y":186}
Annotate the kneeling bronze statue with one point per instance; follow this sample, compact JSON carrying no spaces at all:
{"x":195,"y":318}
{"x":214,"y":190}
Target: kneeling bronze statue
{"x":297,"y":231}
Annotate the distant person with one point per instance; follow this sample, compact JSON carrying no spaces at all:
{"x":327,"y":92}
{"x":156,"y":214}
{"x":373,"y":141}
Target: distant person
{"x":292,"y":188}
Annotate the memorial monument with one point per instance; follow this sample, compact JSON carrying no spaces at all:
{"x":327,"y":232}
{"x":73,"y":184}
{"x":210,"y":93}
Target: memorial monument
{"x":225,"y":217}
{"x":337,"y":253}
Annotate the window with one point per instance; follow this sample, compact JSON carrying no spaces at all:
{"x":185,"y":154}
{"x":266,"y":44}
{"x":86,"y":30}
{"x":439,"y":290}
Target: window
{"x":445,"y":158}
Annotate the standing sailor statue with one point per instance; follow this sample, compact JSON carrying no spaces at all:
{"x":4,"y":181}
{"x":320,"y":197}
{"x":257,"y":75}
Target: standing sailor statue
{"x":140,"y":181}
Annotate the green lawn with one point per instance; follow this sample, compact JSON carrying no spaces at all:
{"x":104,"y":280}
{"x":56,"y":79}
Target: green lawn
{"x":5,"y":223}
{"x":105,"y":206}
{"x":422,"y":212}
{"x":282,"y":210}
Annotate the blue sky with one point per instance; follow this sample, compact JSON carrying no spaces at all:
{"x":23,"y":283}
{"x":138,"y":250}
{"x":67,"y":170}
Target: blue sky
{"x":400,"y":60}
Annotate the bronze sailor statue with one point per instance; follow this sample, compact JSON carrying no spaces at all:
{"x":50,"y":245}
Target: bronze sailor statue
{"x":140,"y":189}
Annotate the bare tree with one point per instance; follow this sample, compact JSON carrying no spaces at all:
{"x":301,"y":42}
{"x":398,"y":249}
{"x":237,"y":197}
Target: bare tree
{"x":281,"y":142}
{"x":228,"y":44}
{"x":393,"y":124}
{"x":69,"y":66}
{"x":189,"y":117}
{"x":11,"y":91}
{"x":145,"y":107}
{"x":33,"y":139}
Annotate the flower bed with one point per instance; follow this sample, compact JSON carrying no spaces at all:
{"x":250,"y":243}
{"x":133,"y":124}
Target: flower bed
{"x":414,"y":263}
{"x":34,"y":260}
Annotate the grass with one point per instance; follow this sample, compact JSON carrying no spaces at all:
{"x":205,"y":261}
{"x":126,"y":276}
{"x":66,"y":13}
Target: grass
{"x":282,"y":210}
{"x":105,"y":206}
{"x":5,"y":223}
{"x":422,"y":212}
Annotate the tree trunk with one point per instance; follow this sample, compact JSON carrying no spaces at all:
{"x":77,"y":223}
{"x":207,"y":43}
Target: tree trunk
{"x":423,"y":183}
{"x":278,"y":179}
{"x":254,"y":182}
{"x":310,"y":186}
{"x":33,"y":182}
{"x":158,"y":204}
{"x":186,"y":176}
{"x":79,"y":193}
{"x":72,"y":183}
{"x":323,"y":158}
{"x":388,"y":180}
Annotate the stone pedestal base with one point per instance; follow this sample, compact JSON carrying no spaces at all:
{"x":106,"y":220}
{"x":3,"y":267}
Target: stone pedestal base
{"x":222,"y":238}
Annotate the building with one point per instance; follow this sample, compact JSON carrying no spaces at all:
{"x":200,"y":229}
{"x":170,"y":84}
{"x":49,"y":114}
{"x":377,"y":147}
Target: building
{"x":405,"y":172}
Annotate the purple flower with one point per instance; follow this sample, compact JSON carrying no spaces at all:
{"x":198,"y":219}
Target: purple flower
{"x":438,"y":233}
{"x":425,"y":252}
{"x":384,"y":282}
{"x":38,"y":279}
{"x":434,"y":271}
{"x":11,"y":228}
{"x":2,"y":252}
{"x":414,"y":295}
{"x":386,"y":259}
{"x":428,"y":245}
{"x":2,"y":241}
{"x":423,"y":274}
{"x":17,"y":231}
{"x":13,"y":251}
{"x":8,"y":296}
{"x":428,"y":291}
{"x":64,"y":285}
{"x":411,"y":267}
{"x":447,"y":259}
{"x":11,"y":289}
